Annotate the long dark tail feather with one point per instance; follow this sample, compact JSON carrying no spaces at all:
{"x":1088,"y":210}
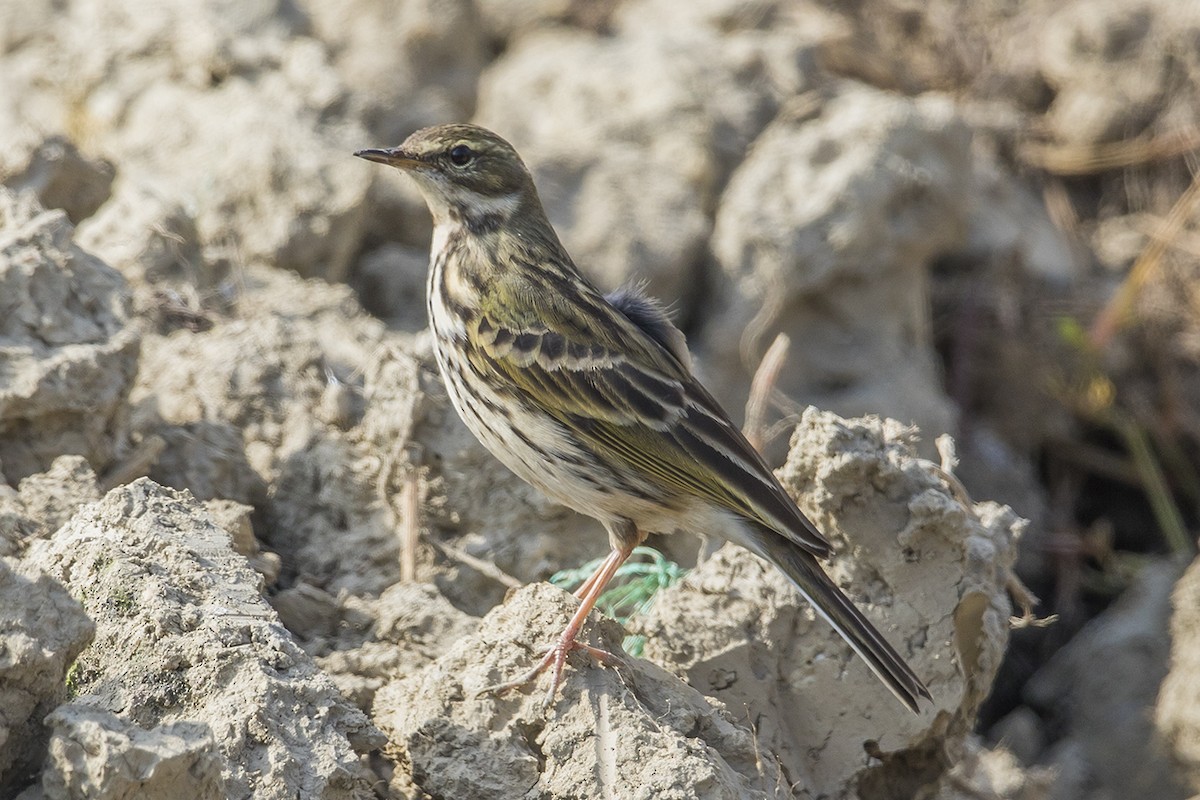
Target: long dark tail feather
{"x":832,"y":604}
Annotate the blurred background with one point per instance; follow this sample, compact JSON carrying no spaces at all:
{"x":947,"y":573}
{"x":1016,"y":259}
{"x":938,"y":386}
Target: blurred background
{"x":979,"y":218}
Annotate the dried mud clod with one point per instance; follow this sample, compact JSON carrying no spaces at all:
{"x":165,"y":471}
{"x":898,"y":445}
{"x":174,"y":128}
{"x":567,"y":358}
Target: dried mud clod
{"x":928,"y":571}
{"x":1177,"y":716}
{"x":42,"y":630}
{"x":68,"y":348}
{"x":628,"y":731}
{"x":183,"y":633}
{"x":44,"y":501}
{"x":95,"y":753}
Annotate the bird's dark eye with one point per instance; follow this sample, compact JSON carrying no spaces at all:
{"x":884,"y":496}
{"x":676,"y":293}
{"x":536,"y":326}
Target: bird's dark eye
{"x":461,"y":155}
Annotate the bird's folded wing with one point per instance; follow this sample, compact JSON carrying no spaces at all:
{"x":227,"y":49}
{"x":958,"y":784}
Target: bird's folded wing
{"x":630,"y":402}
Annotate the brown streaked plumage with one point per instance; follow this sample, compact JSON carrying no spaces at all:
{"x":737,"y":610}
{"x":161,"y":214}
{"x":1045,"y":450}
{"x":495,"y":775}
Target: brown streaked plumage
{"x":592,"y":399}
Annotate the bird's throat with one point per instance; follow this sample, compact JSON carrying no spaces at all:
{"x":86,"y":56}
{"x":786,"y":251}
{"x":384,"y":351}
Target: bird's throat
{"x":479,"y":214}
{"x":456,"y":279}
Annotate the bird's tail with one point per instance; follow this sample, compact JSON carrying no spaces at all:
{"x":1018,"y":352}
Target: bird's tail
{"x":846,"y":619}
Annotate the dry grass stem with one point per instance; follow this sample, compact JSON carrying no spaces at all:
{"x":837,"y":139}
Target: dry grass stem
{"x":1074,"y":159}
{"x":1114,"y":315}
{"x":410,"y":526}
{"x":485,"y":568}
{"x":765,"y":378}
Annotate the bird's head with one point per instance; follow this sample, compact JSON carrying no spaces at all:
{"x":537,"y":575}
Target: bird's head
{"x":464,"y":171}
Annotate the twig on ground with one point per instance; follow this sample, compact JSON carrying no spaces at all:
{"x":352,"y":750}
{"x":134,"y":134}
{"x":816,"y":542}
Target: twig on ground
{"x":1094,"y":460}
{"x":410,"y":526}
{"x":1027,"y":600}
{"x":408,"y":522}
{"x":485,"y":568}
{"x":945,"y":471}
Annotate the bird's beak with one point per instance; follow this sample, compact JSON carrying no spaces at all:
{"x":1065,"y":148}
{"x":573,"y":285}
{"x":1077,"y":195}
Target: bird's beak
{"x":392,"y":156}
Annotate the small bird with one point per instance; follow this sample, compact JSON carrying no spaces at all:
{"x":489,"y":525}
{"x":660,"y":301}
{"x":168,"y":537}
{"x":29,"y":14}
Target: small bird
{"x":592,"y":399}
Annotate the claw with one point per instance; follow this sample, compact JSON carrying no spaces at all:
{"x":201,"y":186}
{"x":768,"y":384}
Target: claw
{"x":556,"y":657}
{"x":557,"y":654}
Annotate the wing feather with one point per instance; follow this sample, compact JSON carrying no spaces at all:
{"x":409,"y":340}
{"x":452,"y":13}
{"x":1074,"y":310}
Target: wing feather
{"x":636,"y":405}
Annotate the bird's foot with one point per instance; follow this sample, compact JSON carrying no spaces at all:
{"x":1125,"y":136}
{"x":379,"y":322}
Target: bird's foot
{"x":555,"y":660}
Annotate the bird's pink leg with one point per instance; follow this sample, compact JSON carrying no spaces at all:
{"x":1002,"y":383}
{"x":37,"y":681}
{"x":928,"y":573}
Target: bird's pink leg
{"x":586,"y":586}
{"x":556,"y":657}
